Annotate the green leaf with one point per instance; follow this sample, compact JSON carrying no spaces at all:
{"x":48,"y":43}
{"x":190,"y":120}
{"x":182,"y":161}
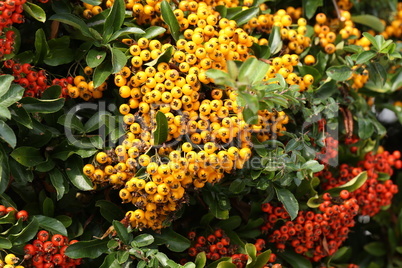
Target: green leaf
{"x":313,"y":165}
{"x":7,"y":134}
{"x":251,"y":251}
{"x":275,"y":41}
{"x":11,"y":95}
{"x":51,"y":224}
{"x":126,"y":31}
{"x":252,"y":71}
{"x":27,"y":156}
{"x":74,"y":21}
{"x":65,"y":220}
{"x":71,"y":121}
{"x":41,"y":46}
{"x":109,"y":210}
{"x":87,"y":249}
{"x":59,"y":56}
{"x":170,"y":19}
{"x":5,"y":243}
{"x":153,"y":32}
{"x":74,"y":167}
{"x":351,"y":185}
{"x":95,"y":57}
{"x":5,"y":83}
{"x":21,"y":174}
{"x":122,"y":232}
{"x":200,"y":260}
{"x":262,"y":259}
{"x":110,"y":261}
{"x":372,"y":40}
{"x":289,"y":201}
{"x":226,"y":264}
{"x":161,"y":131}
{"x":114,"y":19}
{"x":237,"y":186}
{"x":102,"y":72}
{"x":339,"y":73}
{"x":220,"y":77}
{"x":369,"y":20}
{"x":173,"y":241}
{"x":142,"y":240}
{"x":52,"y":92}
{"x":376,"y":248}
{"x":295,"y":260}
{"x":366,"y":128}
{"x":310,"y":7}
{"x":164,"y":57}
{"x":4,"y":113}
{"x":310,"y":70}
{"x":48,"y":207}
{"x":119,"y":60}
{"x":33,"y":105}
{"x":35,"y":11}
{"x":57,"y":180}
{"x":246,"y":15}
{"x":365,"y":56}
{"x":26,"y":233}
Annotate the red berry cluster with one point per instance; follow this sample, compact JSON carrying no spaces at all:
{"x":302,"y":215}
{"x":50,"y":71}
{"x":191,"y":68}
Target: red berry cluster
{"x":374,"y":193}
{"x":217,"y":245}
{"x":313,"y":234}
{"x":351,"y":141}
{"x":34,"y":82}
{"x":48,"y":251}
{"x":22,"y":214}
{"x":329,"y":151}
{"x":10,"y":13}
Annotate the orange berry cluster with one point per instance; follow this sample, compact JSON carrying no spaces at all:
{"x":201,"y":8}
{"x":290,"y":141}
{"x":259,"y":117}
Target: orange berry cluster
{"x":305,"y":234}
{"x":83,"y":87}
{"x":47,"y":251}
{"x":374,"y":193}
{"x":395,"y":28}
{"x":217,"y":245}
{"x":329,"y":151}
{"x":22,"y":214}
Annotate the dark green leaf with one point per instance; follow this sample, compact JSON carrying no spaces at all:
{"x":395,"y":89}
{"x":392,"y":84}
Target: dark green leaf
{"x":5,"y":243}
{"x":310,"y":7}
{"x":376,"y":248}
{"x":173,"y":241}
{"x":48,"y":207}
{"x":5,"y":83}
{"x":142,"y":240}
{"x":41,"y":46}
{"x":57,"y":180}
{"x":74,"y":21}
{"x":288,"y":200}
{"x":164,"y":57}
{"x":247,"y":14}
{"x":325,"y":90}
{"x":109,"y":210}
{"x":4,"y":113}
{"x":339,"y":73}
{"x":65,"y":220}
{"x":7,"y":134}
{"x":59,"y":56}
{"x":102,"y":72}
{"x":71,"y":121}
{"x":237,"y":186}
{"x":153,"y":32}
{"x":74,"y":167}
{"x":25,"y":234}
{"x":366,"y":128}
{"x":365,"y":56}
{"x":119,"y":60}
{"x":110,"y":261}
{"x":12,"y":95}
{"x":87,"y":249}
{"x":170,"y":19}
{"x":33,"y":105}
{"x":27,"y":156}
{"x":310,"y":70}
{"x":161,"y":131}
{"x":126,"y":31}
{"x":369,"y":20}
{"x":121,"y":231}
{"x":51,"y":224}
{"x":21,"y":116}
{"x":295,"y":260}
{"x":35,"y":11}
{"x":232,"y":11}
{"x":52,"y":92}
{"x":95,"y":57}
{"x":114,"y":19}
{"x":275,"y":41}
{"x":21,"y":174}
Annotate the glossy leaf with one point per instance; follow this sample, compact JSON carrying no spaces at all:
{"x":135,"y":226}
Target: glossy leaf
{"x":41,"y":46}
{"x":5,"y":83}
{"x":95,"y":57}
{"x":200,"y":260}
{"x":119,"y":60}
{"x":5,"y":243}
{"x":295,"y":260}
{"x":365,"y":56}
{"x":376,"y":248}
{"x":11,"y":95}
{"x":351,"y":185}
{"x":152,"y":32}
{"x":310,"y":7}
{"x":57,"y":180}
{"x":288,"y":200}
{"x":261,"y":260}
{"x":114,"y":19}
{"x":246,"y":15}
{"x":87,"y":249}
{"x":74,"y":172}
{"x":28,"y":156}
{"x":73,"y":21}
{"x":369,"y":20}
{"x":164,"y":57}
{"x":339,"y":73}
{"x":26,"y":234}
{"x":33,"y":105}
{"x":275,"y":41}
{"x":173,"y":241}
{"x":126,"y":31}
{"x":7,"y":134}
{"x":252,"y":71}
{"x":51,"y":224}
{"x":170,"y":19}
{"x":109,"y":210}
{"x":226,"y":264}
{"x":122,"y":232}
{"x":142,"y":240}
{"x":102,"y":72}
{"x":161,"y":132}
{"x":35,"y":11}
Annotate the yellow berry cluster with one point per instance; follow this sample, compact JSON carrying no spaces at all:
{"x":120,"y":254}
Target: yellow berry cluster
{"x":395,"y":28}
{"x":293,"y":28}
{"x":82,"y":88}
{"x":359,"y":78}
{"x":10,"y":261}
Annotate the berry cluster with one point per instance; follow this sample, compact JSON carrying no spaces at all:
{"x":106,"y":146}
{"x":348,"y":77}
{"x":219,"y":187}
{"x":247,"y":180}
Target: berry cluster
{"x":217,"y":245}
{"x":84,"y":88}
{"x":374,"y":193}
{"x":313,"y":234}
{"x":10,"y":261}
{"x":329,"y":152}
{"x":10,"y":13}
{"x":22,"y":214}
{"x":48,"y":251}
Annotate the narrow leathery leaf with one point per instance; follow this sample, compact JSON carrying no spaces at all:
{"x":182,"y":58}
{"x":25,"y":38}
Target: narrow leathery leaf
{"x":161,"y":131}
{"x":289,"y":201}
{"x":35,"y":11}
{"x":170,"y":19}
{"x":114,"y":19}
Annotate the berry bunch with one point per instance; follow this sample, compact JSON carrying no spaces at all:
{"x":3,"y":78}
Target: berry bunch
{"x":313,"y":234}
{"x":329,"y":152}
{"x":83,"y":87}
{"x":10,"y":261}
{"x":22,"y":214}
{"x":374,"y":193}
{"x":10,"y":13}
{"x":217,"y":245}
{"x":48,"y":251}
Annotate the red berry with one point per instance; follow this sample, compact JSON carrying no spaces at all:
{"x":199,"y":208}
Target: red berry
{"x":58,"y":240}
{"x":22,"y":214}
{"x":43,"y":235}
